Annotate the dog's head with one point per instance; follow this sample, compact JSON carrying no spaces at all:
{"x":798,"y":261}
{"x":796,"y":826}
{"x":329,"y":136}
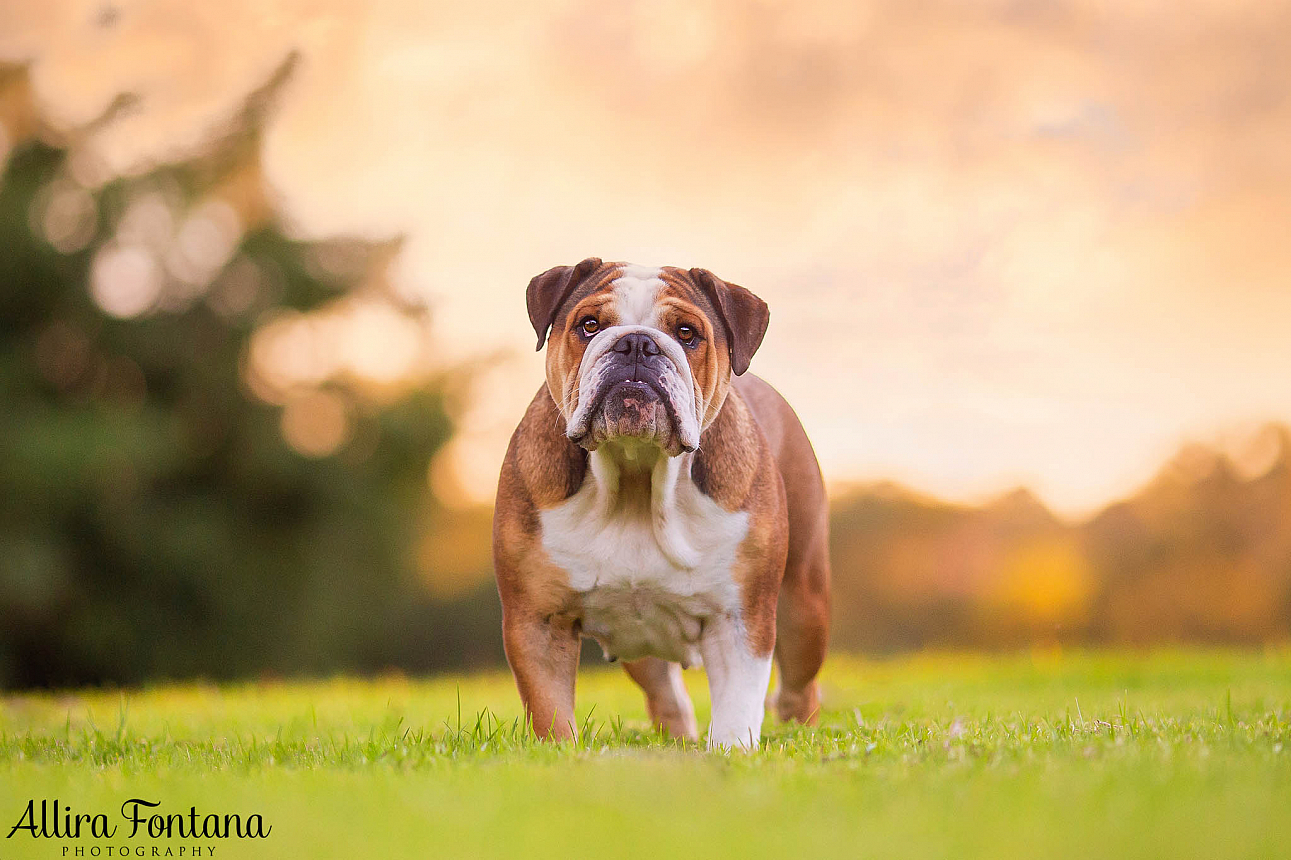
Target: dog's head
{"x":640,"y":353}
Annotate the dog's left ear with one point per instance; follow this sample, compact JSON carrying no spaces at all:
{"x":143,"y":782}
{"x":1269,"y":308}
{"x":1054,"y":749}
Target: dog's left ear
{"x":548,"y":291}
{"x":744,"y":315}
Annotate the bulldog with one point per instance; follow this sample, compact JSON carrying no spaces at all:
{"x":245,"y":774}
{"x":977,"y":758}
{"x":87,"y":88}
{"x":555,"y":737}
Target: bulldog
{"x":653,"y":502}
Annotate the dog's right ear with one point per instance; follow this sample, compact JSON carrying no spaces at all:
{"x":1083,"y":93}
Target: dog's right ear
{"x":548,"y":291}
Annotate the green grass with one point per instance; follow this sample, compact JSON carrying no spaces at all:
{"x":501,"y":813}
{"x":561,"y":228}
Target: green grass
{"x":1178,"y":754}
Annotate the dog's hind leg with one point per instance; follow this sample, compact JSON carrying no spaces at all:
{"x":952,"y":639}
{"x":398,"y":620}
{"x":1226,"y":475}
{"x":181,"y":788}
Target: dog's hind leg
{"x":802,"y":633}
{"x":667,"y":701}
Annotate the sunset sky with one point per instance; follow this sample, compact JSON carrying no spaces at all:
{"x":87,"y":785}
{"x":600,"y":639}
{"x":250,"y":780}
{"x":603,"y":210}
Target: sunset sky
{"x":1005,"y":242}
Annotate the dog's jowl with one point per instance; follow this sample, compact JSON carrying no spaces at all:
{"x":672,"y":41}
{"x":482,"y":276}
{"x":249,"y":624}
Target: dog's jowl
{"x":661,"y":500}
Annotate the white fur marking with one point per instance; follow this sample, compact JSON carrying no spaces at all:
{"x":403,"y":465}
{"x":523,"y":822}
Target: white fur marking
{"x":738,"y":682}
{"x":650,"y":578}
{"x":635,"y":292}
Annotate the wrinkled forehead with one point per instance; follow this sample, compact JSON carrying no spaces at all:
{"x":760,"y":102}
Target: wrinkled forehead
{"x":634,"y":294}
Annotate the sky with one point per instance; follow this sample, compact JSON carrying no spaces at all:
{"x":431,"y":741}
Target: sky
{"x":1004,"y":242}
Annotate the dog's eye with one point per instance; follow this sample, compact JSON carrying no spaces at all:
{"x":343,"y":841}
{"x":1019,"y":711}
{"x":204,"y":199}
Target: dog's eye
{"x":590,"y":326}
{"x":687,"y":335}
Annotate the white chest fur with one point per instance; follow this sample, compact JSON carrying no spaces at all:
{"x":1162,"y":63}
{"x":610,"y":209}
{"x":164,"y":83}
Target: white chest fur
{"x":650,"y":572}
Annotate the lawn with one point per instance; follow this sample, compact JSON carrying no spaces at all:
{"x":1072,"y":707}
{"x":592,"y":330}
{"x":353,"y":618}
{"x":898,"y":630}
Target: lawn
{"x":1054,"y":755}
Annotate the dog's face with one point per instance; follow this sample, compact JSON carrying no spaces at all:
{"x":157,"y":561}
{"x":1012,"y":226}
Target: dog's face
{"x":639,"y":353}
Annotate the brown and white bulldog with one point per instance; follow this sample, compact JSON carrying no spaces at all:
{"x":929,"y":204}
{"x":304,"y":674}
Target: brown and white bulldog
{"x":652,"y":502}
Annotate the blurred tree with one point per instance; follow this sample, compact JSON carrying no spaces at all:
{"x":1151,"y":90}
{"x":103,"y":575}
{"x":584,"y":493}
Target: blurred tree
{"x":1202,"y":554}
{"x":159,"y":519}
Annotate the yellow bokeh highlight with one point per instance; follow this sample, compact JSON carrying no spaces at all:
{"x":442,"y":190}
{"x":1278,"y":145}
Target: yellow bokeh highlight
{"x":1046,"y":580}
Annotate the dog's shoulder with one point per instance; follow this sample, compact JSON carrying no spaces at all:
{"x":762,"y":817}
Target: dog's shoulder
{"x":542,"y":467}
{"x":733,"y":455}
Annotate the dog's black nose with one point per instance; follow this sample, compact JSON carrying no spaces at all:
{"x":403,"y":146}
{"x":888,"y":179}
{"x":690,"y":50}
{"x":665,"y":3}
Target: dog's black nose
{"x":636,"y":346}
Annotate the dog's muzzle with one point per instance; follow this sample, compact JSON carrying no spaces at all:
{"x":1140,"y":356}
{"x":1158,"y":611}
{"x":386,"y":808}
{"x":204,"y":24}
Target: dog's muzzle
{"x":631,"y":390}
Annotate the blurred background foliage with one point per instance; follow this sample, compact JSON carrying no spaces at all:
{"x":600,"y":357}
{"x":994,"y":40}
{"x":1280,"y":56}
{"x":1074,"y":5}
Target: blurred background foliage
{"x":181,"y":493}
{"x":216,"y":439}
{"x":1202,"y":554}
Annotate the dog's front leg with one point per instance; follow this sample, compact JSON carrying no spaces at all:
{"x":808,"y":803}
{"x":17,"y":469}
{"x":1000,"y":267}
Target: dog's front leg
{"x":543,"y":653}
{"x":737,"y":682}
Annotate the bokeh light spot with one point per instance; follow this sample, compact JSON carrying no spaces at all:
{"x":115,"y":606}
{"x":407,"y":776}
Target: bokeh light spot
{"x":286,"y":353}
{"x":316,"y":424}
{"x":125,"y":281}
{"x":68,"y":216}
{"x":205,"y":242}
{"x":380,"y":343}
{"x":148,"y":221}
{"x":238,"y":290}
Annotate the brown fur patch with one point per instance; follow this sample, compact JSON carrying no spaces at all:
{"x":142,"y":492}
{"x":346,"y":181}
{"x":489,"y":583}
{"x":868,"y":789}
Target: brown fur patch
{"x":541,"y":468}
{"x":734,"y":467}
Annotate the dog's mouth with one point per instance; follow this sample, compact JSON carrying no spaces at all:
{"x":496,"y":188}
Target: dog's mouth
{"x":632,"y":403}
